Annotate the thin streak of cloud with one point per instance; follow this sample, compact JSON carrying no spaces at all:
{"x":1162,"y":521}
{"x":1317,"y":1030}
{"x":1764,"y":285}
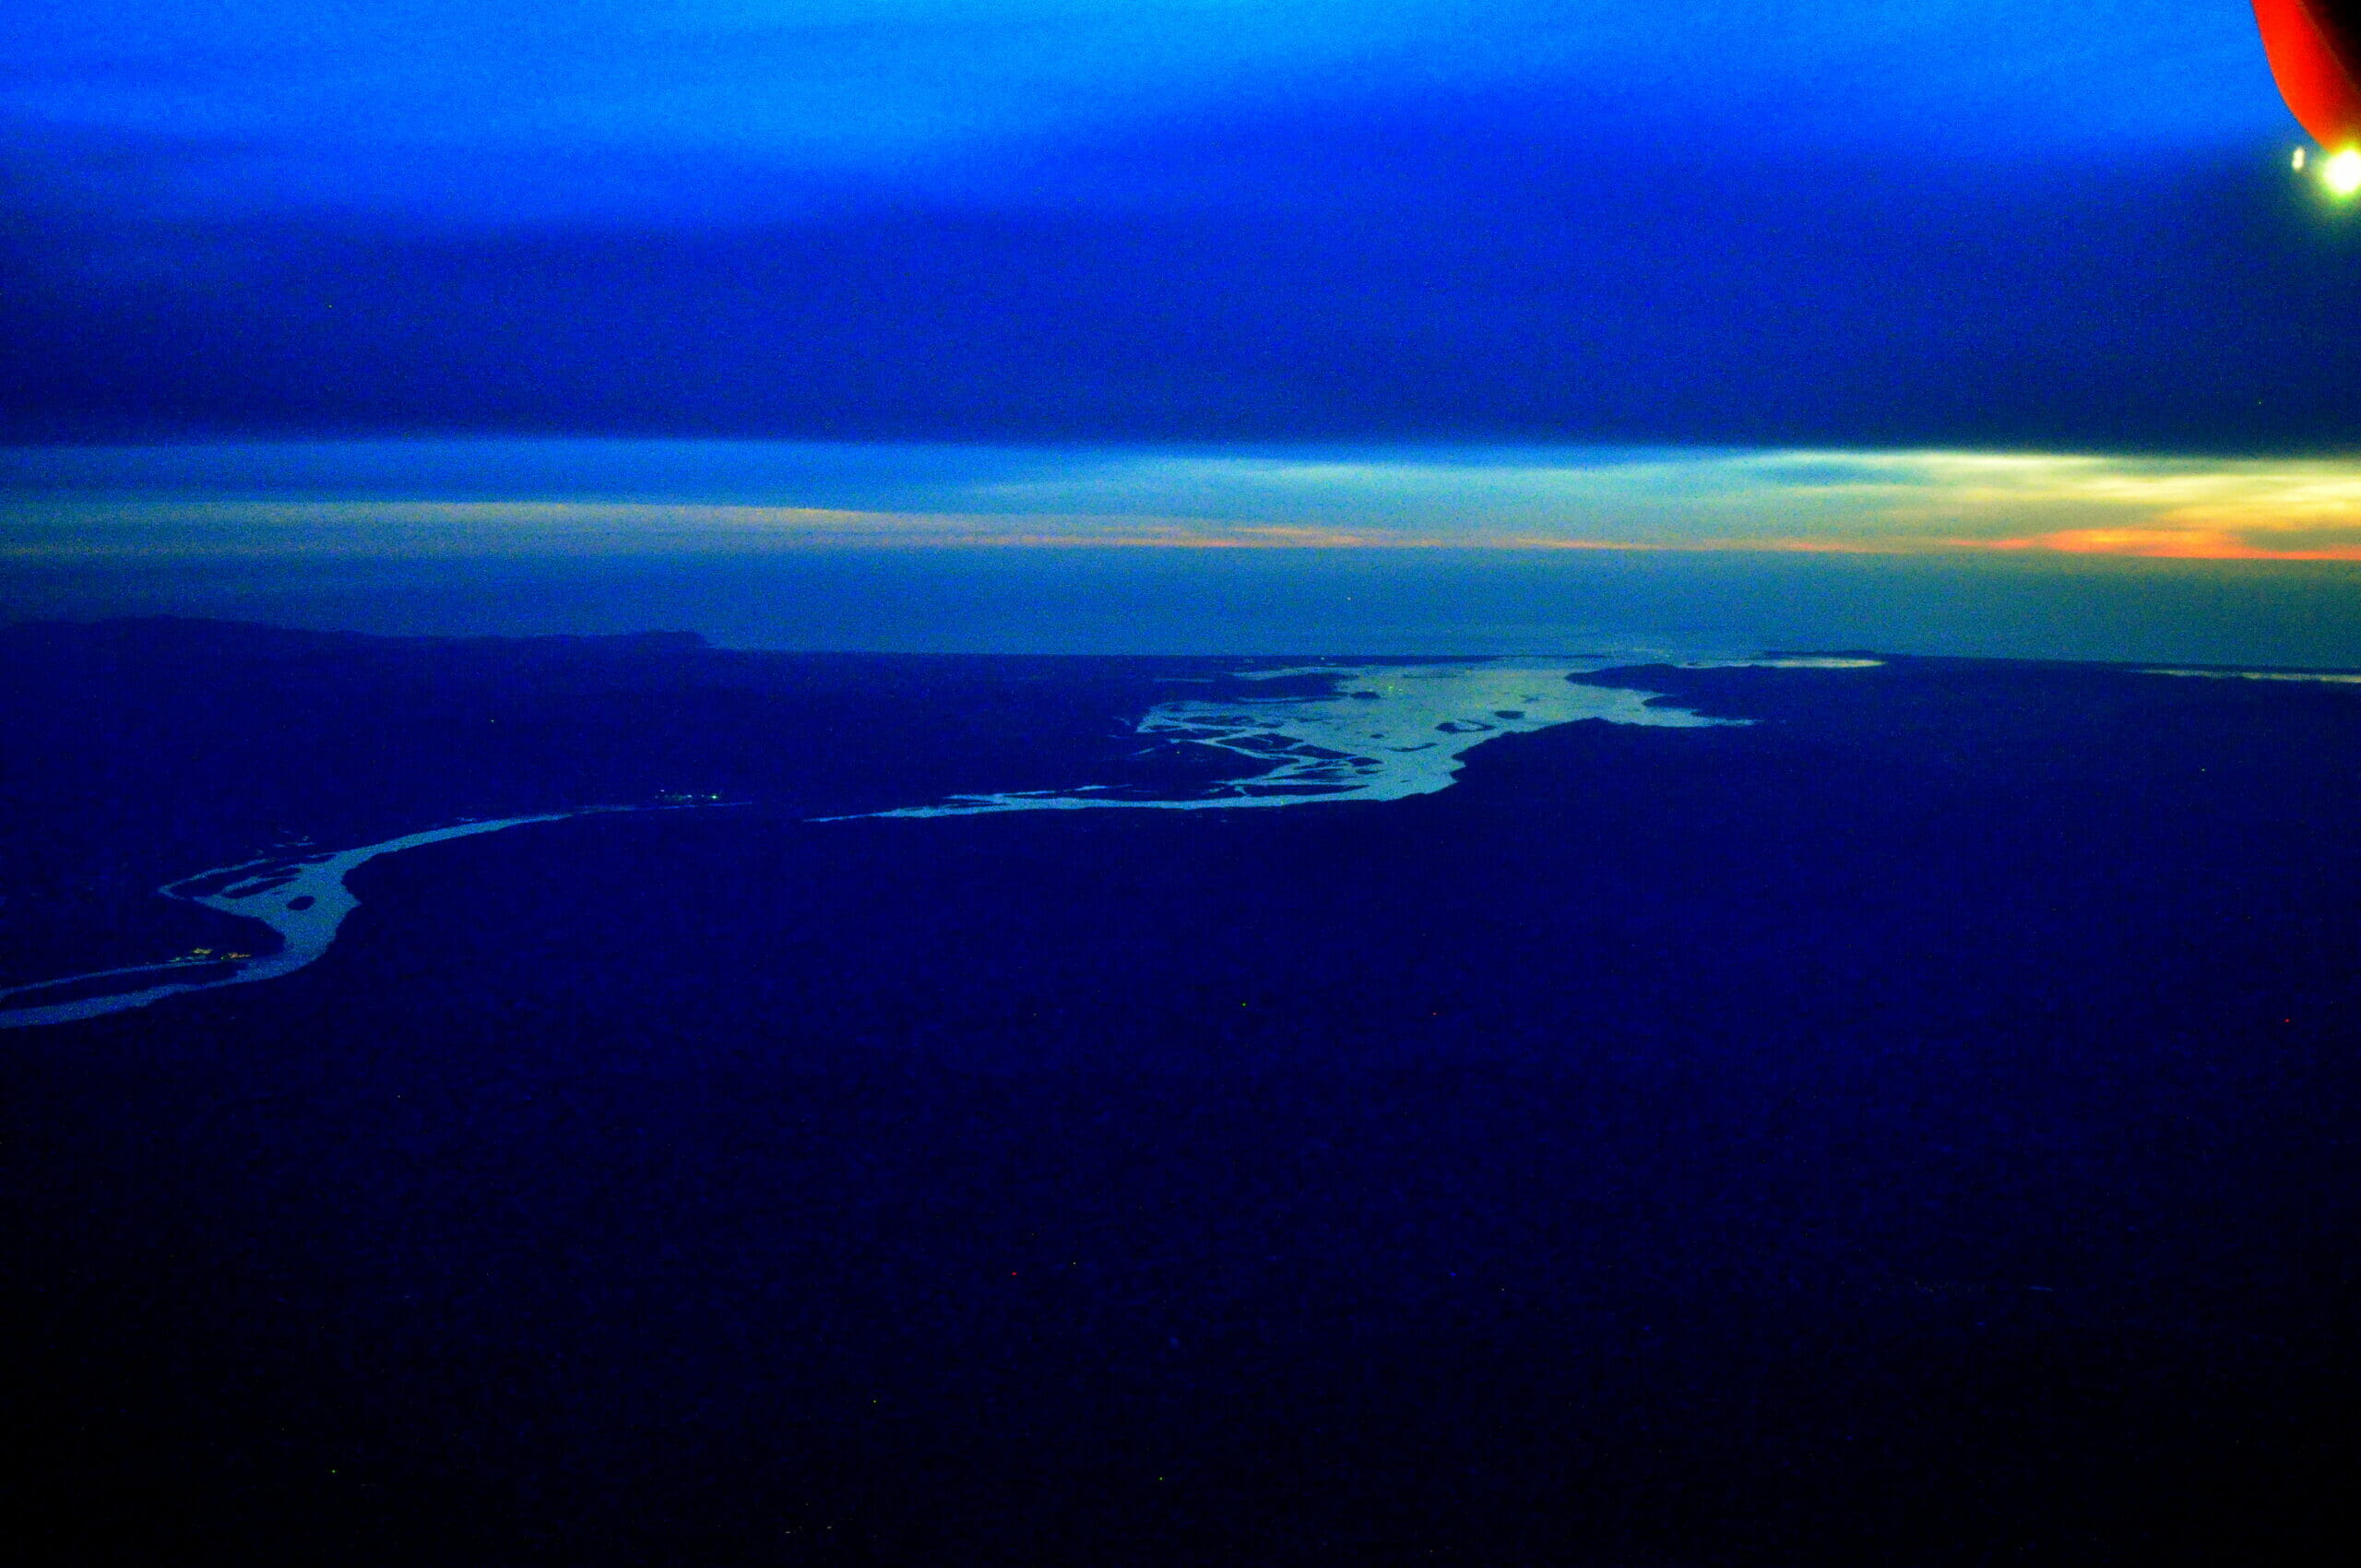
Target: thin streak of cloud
{"x":2315,"y":677}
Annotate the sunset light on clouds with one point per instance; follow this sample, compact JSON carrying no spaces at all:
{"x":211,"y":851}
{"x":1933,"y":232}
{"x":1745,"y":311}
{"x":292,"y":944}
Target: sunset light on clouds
{"x":1671,"y":320}
{"x":638,"y":497}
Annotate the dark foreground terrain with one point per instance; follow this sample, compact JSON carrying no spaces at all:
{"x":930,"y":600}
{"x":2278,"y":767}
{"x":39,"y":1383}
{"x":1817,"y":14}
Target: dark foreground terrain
{"x":1917,"y":1128}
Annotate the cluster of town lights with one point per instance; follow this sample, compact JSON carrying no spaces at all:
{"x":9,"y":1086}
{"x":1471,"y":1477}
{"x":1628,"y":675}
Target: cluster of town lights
{"x":2339,"y":170}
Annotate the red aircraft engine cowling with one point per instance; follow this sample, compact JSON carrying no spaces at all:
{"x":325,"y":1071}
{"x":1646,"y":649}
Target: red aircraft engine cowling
{"x":2315,"y":48}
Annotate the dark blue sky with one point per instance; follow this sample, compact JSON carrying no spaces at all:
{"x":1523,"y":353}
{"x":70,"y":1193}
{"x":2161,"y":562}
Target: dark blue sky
{"x":1757,"y":222}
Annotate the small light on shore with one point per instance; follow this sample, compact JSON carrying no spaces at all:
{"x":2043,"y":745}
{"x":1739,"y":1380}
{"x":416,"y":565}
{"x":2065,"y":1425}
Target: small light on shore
{"x":2299,"y":160}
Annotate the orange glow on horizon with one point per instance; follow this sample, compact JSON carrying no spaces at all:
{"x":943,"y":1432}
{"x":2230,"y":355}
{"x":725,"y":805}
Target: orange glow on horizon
{"x":2160,"y":544}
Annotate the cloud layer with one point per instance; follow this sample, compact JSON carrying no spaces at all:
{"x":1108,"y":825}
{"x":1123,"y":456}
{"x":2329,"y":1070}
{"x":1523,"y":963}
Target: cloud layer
{"x":488,"y":109}
{"x":642,"y":497}
{"x":1868,"y":223}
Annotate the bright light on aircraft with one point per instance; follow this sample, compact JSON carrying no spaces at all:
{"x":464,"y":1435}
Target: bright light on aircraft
{"x":2341,"y":172}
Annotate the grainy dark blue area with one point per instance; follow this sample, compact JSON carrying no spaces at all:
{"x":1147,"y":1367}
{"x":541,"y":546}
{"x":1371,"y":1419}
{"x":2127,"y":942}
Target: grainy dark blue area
{"x":1915,"y":1128}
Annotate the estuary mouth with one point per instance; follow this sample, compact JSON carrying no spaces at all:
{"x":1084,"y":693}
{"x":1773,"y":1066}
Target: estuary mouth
{"x":1379,"y":732}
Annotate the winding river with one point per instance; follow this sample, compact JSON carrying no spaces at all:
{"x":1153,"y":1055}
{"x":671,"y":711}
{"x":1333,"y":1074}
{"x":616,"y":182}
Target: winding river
{"x":1380,"y":732}
{"x":302,"y":898}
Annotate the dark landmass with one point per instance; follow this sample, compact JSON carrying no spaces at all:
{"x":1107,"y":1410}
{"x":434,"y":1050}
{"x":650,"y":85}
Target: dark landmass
{"x":1913,"y":1128}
